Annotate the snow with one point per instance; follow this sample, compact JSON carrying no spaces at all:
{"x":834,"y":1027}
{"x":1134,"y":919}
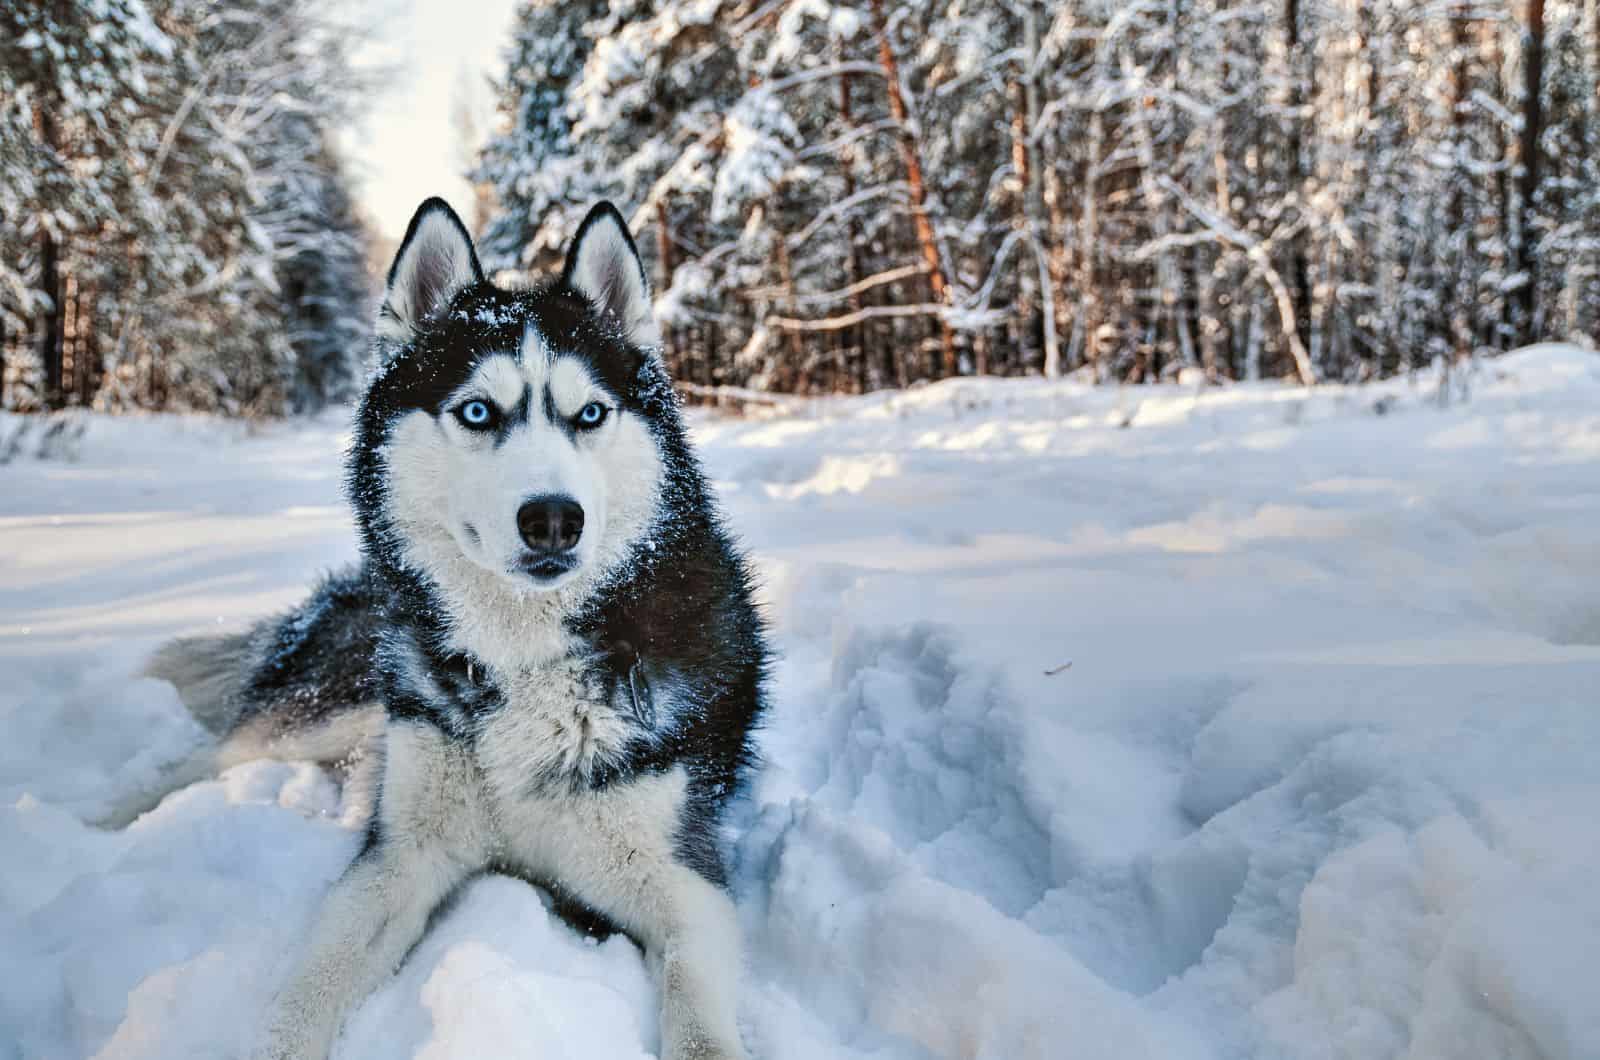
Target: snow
{"x":1319,"y":781}
{"x":757,"y":156}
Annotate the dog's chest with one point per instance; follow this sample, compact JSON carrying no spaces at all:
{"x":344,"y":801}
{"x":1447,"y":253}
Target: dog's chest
{"x":538,"y":756}
{"x":557,"y":727}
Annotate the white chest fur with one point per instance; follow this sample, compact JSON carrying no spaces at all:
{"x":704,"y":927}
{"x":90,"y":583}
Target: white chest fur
{"x":534,"y":756}
{"x":555,"y":726}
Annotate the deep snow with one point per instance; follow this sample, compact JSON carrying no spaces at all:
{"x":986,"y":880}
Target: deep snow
{"x":1321,"y":779}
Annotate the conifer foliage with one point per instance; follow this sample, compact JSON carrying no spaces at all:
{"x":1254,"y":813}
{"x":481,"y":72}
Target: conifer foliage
{"x":851,"y":195}
{"x":176,"y":227}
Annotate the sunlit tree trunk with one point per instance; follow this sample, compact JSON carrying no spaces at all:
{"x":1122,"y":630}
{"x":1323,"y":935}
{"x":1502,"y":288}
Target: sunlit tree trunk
{"x":911,"y":155}
{"x":49,"y":323}
{"x":1532,"y":131}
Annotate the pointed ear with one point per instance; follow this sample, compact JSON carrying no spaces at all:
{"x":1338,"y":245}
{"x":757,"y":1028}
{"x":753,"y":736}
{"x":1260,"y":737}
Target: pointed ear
{"x":435,"y":261}
{"x":603,"y":265}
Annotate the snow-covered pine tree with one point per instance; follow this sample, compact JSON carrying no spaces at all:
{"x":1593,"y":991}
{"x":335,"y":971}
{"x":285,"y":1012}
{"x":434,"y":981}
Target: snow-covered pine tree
{"x":68,"y":71}
{"x":653,"y":111}
{"x":305,"y":204}
{"x":538,"y":182}
{"x":1305,"y":189}
{"x":172,"y":166}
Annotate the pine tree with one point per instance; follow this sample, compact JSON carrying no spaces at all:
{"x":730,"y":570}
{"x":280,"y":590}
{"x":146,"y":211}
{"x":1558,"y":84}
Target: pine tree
{"x":67,"y":71}
{"x":849,"y":195}
{"x":172,"y":197}
{"x":537,"y":180}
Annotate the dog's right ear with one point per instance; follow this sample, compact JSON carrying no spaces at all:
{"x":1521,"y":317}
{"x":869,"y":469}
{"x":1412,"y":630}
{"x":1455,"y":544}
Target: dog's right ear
{"x":435,"y":260}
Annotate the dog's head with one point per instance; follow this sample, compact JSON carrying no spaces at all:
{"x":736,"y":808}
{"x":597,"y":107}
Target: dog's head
{"x":512,"y":439}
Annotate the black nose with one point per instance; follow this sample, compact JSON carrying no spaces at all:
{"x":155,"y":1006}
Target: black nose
{"x":550,"y":524}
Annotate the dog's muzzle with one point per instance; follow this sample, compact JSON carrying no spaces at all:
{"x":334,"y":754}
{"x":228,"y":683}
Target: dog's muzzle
{"x":550,"y":526}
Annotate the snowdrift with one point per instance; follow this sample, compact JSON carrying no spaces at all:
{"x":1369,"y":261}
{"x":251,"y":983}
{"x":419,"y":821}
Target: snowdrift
{"x":1250,"y":722}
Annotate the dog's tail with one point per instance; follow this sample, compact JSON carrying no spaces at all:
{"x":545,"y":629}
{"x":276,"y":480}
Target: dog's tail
{"x":208,"y":673}
{"x":295,"y":687}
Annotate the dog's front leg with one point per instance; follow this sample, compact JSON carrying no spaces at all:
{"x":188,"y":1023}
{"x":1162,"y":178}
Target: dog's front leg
{"x":621,"y":851}
{"x":694,"y":948}
{"x":427,"y":836}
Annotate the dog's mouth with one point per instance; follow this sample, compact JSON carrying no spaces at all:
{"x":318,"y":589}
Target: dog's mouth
{"x":544,"y":569}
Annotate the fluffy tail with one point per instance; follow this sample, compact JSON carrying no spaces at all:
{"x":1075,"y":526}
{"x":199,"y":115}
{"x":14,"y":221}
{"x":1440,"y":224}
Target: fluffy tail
{"x":298,"y":686}
{"x":208,"y":673}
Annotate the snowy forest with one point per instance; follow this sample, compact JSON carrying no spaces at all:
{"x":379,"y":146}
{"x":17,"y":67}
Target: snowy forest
{"x":1161,"y":441}
{"x":177,"y":228}
{"x":833,"y":197}
{"x":845,"y":197}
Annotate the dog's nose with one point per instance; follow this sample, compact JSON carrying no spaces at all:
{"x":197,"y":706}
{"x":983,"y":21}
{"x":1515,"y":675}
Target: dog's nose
{"x":550,"y":524}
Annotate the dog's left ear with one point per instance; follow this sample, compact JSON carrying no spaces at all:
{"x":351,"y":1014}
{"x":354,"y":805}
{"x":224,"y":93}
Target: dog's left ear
{"x":603,"y":265}
{"x":436,"y":260}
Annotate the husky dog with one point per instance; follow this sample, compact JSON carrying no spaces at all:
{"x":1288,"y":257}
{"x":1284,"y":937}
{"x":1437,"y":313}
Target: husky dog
{"x":549,"y":651}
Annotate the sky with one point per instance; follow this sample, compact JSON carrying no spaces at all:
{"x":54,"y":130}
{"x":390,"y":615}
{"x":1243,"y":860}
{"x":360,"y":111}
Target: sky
{"x":407,"y":148}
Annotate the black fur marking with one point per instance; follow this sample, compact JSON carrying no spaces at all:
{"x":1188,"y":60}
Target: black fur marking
{"x":579,"y":916}
{"x":514,"y":417}
{"x":315,"y":659}
{"x":698,"y":843}
{"x":372,"y":838}
{"x":425,"y":682}
{"x":564,"y":424}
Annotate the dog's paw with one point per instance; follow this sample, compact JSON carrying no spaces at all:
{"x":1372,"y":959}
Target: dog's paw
{"x":290,"y":1035}
{"x":284,"y":1048}
{"x":703,"y":1051}
{"x":695,"y":1044}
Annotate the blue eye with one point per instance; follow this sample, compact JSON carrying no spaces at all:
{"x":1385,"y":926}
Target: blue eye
{"x":592,"y":415}
{"x":475,"y":414}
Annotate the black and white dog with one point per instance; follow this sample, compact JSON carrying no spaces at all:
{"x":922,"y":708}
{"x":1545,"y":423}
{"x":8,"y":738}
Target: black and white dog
{"x":548,"y":660}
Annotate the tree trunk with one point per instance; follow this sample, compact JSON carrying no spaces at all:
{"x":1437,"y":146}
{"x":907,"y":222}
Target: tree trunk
{"x":49,"y":336}
{"x":1023,"y":307}
{"x":93,"y":367}
{"x":1532,"y":130}
{"x":1591,"y":65}
{"x":796,"y":379}
{"x":1300,"y":76}
{"x":1502,"y":322}
{"x":1217,"y":338}
{"x":1591,"y":17}
{"x":1030,"y":176}
{"x":1055,"y":208}
{"x":1087,"y":325}
{"x":847,"y":159}
{"x":663,"y":247}
{"x":713,"y":352}
{"x":911,"y":154}
{"x":1460,"y":282}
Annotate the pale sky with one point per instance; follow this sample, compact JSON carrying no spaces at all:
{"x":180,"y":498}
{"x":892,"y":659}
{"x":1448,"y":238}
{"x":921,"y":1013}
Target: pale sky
{"x":408,"y":148}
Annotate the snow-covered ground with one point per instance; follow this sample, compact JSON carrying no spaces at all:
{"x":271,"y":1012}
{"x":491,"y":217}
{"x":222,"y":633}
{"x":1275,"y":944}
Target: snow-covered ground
{"x":1321,"y":780}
